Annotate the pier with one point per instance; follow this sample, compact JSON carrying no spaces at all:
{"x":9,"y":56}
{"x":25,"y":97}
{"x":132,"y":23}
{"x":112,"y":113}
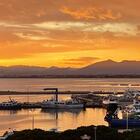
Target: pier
{"x":89,"y":99}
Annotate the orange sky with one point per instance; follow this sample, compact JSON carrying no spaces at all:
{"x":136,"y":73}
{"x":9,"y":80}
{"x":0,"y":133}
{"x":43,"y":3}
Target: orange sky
{"x":67,"y":33}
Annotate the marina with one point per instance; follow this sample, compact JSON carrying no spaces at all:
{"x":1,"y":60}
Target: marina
{"x":30,"y":94}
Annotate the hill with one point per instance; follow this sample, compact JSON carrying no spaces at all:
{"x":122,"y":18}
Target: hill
{"x":103,"y":68}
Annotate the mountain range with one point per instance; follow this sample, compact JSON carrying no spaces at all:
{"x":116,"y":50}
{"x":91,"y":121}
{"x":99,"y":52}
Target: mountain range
{"x":107,"y":67}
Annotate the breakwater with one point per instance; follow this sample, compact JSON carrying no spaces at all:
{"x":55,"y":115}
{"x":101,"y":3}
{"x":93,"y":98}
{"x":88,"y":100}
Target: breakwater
{"x":51,"y":92}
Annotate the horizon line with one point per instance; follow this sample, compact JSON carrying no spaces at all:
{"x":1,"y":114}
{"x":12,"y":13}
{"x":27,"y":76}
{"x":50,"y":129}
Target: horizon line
{"x":53,"y":66}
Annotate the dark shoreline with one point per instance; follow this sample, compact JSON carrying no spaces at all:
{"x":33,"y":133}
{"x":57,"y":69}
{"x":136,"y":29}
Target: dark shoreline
{"x":101,"y":133}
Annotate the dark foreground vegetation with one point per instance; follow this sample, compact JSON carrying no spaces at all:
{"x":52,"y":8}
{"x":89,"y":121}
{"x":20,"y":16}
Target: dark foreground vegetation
{"x":103,"y":133}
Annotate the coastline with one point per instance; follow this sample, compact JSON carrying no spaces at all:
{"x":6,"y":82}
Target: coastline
{"x":101,"y":133}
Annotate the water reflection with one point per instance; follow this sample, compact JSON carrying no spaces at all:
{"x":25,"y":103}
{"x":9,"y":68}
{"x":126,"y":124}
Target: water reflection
{"x":57,"y":111}
{"x":84,"y":84}
{"x":48,"y":119}
{"x":10,"y":112}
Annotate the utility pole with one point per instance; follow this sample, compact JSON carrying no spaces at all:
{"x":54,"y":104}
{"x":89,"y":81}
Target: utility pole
{"x":33,"y":122}
{"x":127,"y":121}
{"x":95,"y":133}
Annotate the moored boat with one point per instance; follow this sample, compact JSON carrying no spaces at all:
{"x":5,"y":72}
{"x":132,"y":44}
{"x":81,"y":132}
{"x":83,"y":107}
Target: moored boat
{"x":124,"y":123}
{"x":55,"y":103}
{"x":68,"y":104}
{"x":113,"y":120}
{"x":11,"y":104}
{"x":132,"y":110}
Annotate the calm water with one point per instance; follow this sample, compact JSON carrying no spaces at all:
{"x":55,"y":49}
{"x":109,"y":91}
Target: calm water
{"x":57,"y":119}
{"x":50,"y":119}
{"x":68,"y":84}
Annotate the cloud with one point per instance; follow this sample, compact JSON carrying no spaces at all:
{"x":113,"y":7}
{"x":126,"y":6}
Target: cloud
{"x":80,"y":60}
{"x":118,"y":28}
{"x":33,"y":28}
{"x":91,"y":13}
{"x":35,"y":11}
{"x":32,"y":37}
{"x":138,"y":27}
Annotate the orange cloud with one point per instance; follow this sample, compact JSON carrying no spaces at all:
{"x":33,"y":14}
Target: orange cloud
{"x":49,"y":32}
{"x":89,"y":13}
{"x":80,"y":61}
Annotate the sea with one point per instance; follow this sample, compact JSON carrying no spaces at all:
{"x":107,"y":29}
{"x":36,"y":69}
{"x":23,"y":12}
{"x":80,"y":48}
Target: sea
{"x":57,"y":119}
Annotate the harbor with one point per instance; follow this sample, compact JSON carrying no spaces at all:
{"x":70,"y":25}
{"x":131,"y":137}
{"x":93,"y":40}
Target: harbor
{"x":87,"y":98}
{"x":30,"y":96}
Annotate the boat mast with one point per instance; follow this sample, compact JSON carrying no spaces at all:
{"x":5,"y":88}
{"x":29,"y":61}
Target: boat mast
{"x":56,"y":92}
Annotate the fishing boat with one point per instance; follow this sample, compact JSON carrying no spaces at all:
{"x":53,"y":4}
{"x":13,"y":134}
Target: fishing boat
{"x":131,"y":93}
{"x":113,"y":120}
{"x":124,"y":100}
{"x":109,"y":100}
{"x":68,"y":104}
{"x":55,"y":103}
{"x":28,"y":105}
{"x":124,"y":123}
{"x":11,"y":104}
{"x":132,"y":110}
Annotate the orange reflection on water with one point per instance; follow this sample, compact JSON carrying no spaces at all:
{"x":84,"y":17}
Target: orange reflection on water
{"x":60,"y":119}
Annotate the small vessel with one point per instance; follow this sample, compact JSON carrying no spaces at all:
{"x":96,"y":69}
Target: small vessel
{"x":54,"y":103}
{"x":133,"y":109}
{"x":131,"y":93}
{"x":109,"y":101}
{"x":113,"y":120}
{"x":124,"y":123}
{"x":29,"y":105}
{"x":68,"y":104}
{"x":11,"y":104}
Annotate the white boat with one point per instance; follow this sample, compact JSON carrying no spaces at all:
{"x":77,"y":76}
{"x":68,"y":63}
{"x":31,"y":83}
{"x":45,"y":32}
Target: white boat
{"x":109,"y":101}
{"x":54,"y":104}
{"x":133,"y":109}
{"x":131,"y":93}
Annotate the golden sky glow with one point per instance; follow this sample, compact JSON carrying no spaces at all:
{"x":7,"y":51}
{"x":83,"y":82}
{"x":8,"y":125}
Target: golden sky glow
{"x":67,"y":33}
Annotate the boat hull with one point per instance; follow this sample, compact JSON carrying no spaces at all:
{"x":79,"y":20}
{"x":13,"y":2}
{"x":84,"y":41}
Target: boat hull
{"x":10,"y":107}
{"x":123,"y":123}
{"x":55,"y":106}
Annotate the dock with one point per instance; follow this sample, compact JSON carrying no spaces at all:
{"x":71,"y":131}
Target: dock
{"x":89,"y":99}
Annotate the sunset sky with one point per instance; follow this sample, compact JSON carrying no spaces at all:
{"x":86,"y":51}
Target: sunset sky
{"x":68,"y":33}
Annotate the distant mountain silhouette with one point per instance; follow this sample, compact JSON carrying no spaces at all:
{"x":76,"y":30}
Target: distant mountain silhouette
{"x":110,"y":67}
{"x":107,"y":67}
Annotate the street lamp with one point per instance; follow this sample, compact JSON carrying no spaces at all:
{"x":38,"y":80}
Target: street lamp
{"x":127,"y":120}
{"x":95,"y":133}
{"x":33,"y":122}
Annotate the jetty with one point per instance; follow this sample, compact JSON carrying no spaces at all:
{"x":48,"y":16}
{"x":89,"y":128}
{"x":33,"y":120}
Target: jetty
{"x":89,"y":99}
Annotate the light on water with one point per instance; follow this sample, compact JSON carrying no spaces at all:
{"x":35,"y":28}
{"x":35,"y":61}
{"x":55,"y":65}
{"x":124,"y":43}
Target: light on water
{"x":60,"y":119}
{"x":87,"y":84}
